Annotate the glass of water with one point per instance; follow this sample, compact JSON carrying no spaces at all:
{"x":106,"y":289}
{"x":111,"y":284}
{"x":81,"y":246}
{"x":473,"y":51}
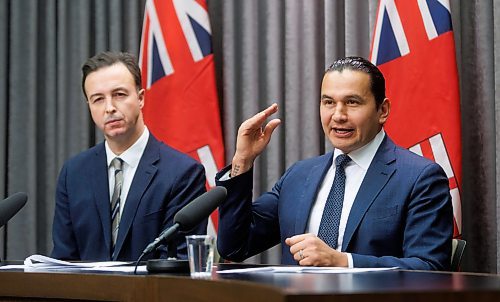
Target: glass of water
{"x":201,"y":255}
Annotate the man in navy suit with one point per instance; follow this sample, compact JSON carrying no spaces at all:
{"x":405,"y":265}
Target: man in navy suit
{"x":395,"y":209}
{"x":157,"y":180}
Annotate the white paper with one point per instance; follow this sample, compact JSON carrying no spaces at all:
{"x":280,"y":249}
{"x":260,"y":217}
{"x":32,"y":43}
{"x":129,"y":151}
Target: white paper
{"x":304,"y":269}
{"x":12,"y":267}
{"x":43,"y":263}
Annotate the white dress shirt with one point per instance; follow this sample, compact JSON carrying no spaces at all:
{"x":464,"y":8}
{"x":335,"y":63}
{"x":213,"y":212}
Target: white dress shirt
{"x":131,"y":158}
{"x":355,"y":172}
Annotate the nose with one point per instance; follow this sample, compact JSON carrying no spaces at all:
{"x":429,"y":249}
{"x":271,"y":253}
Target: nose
{"x":339,"y":113}
{"x":110,"y":106}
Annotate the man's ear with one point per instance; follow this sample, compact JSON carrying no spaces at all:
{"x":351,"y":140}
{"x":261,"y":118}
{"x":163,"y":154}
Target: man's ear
{"x":141,"y":96}
{"x":384,"y":110}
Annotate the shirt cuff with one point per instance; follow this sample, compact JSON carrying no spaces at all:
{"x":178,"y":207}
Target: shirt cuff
{"x":226,"y":176}
{"x":350,"y":263}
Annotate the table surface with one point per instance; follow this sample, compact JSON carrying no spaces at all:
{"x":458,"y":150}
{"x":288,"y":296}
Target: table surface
{"x":370,"y":282}
{"x":394,"y":285}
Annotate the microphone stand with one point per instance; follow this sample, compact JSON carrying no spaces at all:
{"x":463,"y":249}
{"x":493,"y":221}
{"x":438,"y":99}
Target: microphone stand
{"x":170,"y":265}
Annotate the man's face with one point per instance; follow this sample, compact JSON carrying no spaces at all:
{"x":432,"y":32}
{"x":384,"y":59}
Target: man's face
{"x":114,"y":102}
{"x":348,"y":111}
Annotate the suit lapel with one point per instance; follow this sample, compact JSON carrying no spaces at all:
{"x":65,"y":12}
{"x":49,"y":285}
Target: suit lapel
{"x":143,"y":176}
{"x":101,"y":192}
{"x":311,"y":188}
{"x":377,"y":176}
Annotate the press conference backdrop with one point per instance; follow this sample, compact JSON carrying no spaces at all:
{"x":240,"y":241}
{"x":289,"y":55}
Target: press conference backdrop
{"x":265,"y":51}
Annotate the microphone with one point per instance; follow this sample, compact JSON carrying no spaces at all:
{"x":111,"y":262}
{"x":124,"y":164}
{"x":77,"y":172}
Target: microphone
{"x":11,"y":205}
{"x":190,"y":215}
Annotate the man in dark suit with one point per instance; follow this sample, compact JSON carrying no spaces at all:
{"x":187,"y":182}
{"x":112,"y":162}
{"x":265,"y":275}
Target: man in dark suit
{"x":108,"y":212}
{"x":387,"y":206}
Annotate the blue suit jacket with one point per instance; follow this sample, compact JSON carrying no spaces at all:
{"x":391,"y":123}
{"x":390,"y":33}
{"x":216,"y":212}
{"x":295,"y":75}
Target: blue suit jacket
{"x":165,"y":181}
{"x":402,"y":215}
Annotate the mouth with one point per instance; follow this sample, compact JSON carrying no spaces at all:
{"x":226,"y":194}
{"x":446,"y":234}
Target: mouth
{"x":112,"y":121}
{"x":342,"y":131}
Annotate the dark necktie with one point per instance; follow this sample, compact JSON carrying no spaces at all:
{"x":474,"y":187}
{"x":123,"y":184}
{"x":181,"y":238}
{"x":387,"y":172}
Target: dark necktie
{"x":115,"y":199}
{"x":329,"y":226}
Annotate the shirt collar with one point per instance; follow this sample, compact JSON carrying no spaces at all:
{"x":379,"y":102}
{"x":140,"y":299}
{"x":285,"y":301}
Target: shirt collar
{"x":133,"y":154}
{"x":364,"y":155}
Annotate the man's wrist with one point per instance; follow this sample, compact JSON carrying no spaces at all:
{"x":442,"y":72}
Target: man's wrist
{"x":240,"y":165}
{"x":341,"y":260}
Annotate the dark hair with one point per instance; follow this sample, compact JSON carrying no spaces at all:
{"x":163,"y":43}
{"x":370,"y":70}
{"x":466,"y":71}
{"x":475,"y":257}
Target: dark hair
{"x":363,"y":65}
{"x":105,"y":59}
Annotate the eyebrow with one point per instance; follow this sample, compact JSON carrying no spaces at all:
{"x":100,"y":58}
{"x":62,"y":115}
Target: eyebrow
{"x":355,"y":96}
{"x":119,"y":88}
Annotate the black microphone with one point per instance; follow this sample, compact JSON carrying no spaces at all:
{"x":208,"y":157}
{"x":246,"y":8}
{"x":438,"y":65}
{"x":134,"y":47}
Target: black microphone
{"x":11,"y":205}
{"x":190,"y":215}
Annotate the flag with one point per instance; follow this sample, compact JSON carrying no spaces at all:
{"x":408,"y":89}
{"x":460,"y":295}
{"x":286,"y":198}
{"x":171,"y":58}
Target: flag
{"x":413,"y":45}
{"x":176,"y":60}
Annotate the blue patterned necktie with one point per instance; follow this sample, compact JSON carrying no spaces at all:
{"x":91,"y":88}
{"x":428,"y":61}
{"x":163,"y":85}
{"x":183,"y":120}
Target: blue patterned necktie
{"x":329,"y":226}
{"x":115,"y":199}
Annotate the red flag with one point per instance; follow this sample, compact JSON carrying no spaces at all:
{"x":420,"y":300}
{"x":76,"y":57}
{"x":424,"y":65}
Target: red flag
{"x":176,"y":59}
{"x":413,"y":46}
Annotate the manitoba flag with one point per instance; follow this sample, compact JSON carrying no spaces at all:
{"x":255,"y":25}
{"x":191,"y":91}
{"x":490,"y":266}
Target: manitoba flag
{"x":413,"y":46}
{"x":176,"y":60}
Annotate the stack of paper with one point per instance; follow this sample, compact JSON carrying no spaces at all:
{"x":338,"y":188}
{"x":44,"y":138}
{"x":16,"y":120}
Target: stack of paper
{"x":40,"y":262}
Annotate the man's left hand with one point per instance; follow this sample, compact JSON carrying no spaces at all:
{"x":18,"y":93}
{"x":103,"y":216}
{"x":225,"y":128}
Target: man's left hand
{"x":309,"y":250}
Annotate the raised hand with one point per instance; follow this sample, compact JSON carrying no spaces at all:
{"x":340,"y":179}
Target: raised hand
{"x":253,"y":137}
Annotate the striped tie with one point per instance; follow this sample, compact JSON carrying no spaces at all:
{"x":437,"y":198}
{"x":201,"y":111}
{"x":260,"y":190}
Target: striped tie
{"x":329,"y":226}
{"x":115,"y":199}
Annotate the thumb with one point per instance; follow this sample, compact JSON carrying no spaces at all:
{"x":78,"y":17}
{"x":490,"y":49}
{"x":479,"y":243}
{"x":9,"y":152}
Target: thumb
{"x":269,"y":129}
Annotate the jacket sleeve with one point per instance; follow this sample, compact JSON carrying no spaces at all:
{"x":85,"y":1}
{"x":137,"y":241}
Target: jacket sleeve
{"x":246,"y":228}
{"x":65,"y":246}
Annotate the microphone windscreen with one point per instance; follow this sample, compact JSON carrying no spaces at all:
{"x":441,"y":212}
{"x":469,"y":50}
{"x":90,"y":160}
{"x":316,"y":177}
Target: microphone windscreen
{"x":200,"y":208}
{"x":11,"y":205}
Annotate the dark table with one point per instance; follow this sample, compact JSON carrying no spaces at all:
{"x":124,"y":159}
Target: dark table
{"x":396,"y":285}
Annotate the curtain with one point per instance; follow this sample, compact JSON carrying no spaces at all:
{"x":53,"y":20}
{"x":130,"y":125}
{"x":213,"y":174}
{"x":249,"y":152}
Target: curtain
{"x":265,"y":51}
{"x":480,"y":104}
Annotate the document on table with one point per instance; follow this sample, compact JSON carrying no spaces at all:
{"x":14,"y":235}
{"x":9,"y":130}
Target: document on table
{"x":38,"y":263}
{"x":305,"y":269}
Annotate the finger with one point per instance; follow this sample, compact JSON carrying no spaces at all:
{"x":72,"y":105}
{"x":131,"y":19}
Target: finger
{"x":297,"y":238}
{"x":270,"y":110}
{"x":264,"y":114}
{"x":259,"y":119}
{"x":299,"y":242}
{"x":309,"y":257}
{"x":293,"y":240}
{"x":305,"y":261}
{"x":294,"y":249}
{"x":268,"y":130}
{"x":299,"y":255}
{"x":256,"y":122}
{"x":252,"y":124}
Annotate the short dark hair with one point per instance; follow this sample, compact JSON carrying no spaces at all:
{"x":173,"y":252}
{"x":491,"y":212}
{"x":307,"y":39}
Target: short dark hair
{"x":108,"y":58}
{"x":363,"y":65}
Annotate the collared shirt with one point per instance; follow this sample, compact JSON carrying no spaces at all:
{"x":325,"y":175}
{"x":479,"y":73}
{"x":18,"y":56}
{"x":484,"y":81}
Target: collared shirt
{"x":131,"y":158}
{"x":355,"y":172}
